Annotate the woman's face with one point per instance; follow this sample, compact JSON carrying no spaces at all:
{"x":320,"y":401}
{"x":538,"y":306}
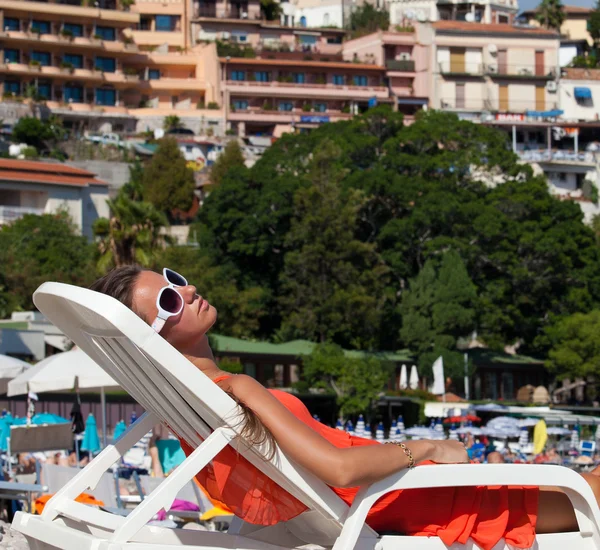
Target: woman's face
{"x":183,"y":330}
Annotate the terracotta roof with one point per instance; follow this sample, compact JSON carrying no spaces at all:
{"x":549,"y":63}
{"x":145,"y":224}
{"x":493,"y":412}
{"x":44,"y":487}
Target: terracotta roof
{"x":581,"y":74}
{"x":574,"y":10}
{"x":493,"y":28}
{"x":286,"y":63}
{"x":46,"y":172}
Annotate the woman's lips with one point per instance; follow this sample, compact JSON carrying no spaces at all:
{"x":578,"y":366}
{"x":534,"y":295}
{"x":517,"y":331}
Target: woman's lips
{"x":203,"y":304}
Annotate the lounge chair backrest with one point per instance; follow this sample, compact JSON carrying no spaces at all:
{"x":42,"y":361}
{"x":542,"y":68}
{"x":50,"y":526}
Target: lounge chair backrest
{"x":55,"y":477}
{"x":190,"y":492}
{"x":164,"y":382}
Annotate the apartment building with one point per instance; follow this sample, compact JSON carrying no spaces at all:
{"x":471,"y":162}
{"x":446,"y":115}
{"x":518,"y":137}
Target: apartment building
{"x":479,"y":69}
{"x":406,"y":62}
{"x":579,"y":94}
{"x":269,"y":97}
{"x":109,"y":69}
{"x":404,"y":12}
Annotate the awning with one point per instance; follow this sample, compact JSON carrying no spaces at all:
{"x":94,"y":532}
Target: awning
{"x":583,"y":93}
{"x":545,"y":114}
{"x":58,"y":342}
{"x":412,"y":101}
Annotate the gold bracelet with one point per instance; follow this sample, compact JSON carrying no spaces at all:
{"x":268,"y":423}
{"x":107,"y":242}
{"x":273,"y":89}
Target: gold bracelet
{"x":407,"y":452}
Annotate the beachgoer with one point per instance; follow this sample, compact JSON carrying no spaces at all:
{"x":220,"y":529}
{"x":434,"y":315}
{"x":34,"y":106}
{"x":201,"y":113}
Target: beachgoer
{"x":344,"y":462}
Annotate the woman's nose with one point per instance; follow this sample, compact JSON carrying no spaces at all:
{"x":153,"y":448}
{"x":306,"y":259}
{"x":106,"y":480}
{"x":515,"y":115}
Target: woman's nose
{"x":188,"y":292}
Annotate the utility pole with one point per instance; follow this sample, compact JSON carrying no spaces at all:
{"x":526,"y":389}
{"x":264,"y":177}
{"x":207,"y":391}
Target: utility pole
{"x":466,"y":377}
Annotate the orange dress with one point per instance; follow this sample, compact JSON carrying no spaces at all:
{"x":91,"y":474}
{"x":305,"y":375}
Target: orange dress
{"x":455,"y":514}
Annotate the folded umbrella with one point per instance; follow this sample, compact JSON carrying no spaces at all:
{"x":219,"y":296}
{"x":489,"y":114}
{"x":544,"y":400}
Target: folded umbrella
{"x":91,"y":441}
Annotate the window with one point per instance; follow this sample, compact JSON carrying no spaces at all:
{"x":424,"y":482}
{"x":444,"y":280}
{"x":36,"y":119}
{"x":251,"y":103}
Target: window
{"x":40,"y":27}
{"x":303,"y":21}
{"x":145,"y":24}
{"x":153,"y":74}
{"x":460,"y":95}
{"x":238,"y":36}
{"x":12,"y":24}
{"x":73,"y":59}
{"x":43,"y":58}
{"x":360,"y":80}
{"x":307,"y":39}
{"x":238,"y":75}
{"x":503,"y":18}
{"x":106,"y":96}
{"x":12,"y":56}
{"x":325,"y":19}
{"x":166,"y":23}
{"x":338,"y":79}
{"x":262,"y":76}
{"x":320,"y":107}
{"x":12,"y":87}
{"x":240,"y":105}
{"x":286,"y":106}
{"x":106,"y":33}
{"x":106,"y":64}
{"x":73,"y":28}
{"x":44,"y":90}
{"x":73,"y":93}
{"x":299,"y":78}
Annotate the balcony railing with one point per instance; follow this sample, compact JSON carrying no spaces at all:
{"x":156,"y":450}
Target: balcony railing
{"x":12,"y":213}
{"x":558,"y":156}
{"x":307,"y":85}
{"x":518,"y":71}
{"x":400,"y":65}
{"x":494,"y":105}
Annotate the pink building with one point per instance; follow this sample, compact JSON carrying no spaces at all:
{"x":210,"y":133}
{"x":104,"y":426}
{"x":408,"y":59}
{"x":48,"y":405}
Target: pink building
{"x":406,"y":62}
{"x":274,"y":96}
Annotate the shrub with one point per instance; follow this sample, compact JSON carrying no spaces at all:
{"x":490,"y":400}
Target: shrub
{"x":213,"y":106}
{"x":30,"y":153}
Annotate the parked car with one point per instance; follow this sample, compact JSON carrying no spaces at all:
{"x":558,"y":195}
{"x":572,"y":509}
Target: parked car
{"x":106,"y":139}
{"x":180,"y":132}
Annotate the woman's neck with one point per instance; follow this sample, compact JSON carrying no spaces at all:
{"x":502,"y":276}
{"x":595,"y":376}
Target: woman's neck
{"x":203,"y":358}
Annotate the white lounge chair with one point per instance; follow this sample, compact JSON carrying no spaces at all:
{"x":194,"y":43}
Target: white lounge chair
{"x":172,"y":390}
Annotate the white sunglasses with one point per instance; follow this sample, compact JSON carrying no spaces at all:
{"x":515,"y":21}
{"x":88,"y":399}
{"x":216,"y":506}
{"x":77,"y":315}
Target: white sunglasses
{"x":169,"y":302}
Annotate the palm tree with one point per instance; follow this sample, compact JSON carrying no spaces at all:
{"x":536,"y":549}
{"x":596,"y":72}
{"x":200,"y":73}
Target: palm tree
{"x":550,"y":14}
{"x":132,"y":235}
{"x":172,"y":122}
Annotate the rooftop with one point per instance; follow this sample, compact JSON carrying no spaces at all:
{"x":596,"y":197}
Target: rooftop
{"x":46,"y":172}
{"x":316,"y":64}
{"x":568,"y":10}
{"x":581,"y":74}
{"x":485,"y":29}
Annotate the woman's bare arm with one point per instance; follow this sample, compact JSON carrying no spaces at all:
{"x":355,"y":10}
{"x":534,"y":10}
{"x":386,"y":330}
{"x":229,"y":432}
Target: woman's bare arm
{"x":348,"y":467}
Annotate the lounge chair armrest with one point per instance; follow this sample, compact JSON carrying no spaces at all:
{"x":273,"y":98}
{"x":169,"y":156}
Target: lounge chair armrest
{"x":465,"y":475}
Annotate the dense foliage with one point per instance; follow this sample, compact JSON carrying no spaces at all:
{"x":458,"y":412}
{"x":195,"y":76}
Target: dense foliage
{"x":333,"y":231}
{"x":368,"y":18}
{"x":550,"y":14}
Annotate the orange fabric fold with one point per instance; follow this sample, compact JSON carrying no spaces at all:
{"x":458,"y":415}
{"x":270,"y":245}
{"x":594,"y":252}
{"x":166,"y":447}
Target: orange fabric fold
{"x":455,"y":514}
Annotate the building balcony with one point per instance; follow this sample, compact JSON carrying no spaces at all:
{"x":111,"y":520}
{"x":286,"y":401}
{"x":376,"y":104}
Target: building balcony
{"x":558,"y":156}
{"x":400,"y":66}
{"x":520,"y":72}
{"x":60,"y":41}
{"x":288,"y":89}
{"x":9,"y":214}
{"x":494,"y":105}
{"x":174,"y":84}
{"x":27,"y":8}
{"x":69,"y":73}
{"x":463,"y":69}
{"x":296,"y":116}
{"x":154,"y":38}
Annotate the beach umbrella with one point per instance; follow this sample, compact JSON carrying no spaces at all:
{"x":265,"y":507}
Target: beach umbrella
{"x":350,"y":427}
{"x":540,"y":437}
{"x":523,"y":437}
{"x":575,"y":438}
{"x":379,"y":433}
{"x":557,"y":430}
{"x":5,"y":424}
{"x":119,"y":430}
{"x":400,"y":424}
{"x":339,"y":425}
{"x":403,"y":378}
{"x":10,"y":367}
{"x":71,"y":370}
{"x":598,"y":432}
{"x":469,"y":430}
{"x":315,"y":416}
{"x":367,"y":433}
{"x":41,"y":418}
{"x":528,"y":422}
{"x":452,"y":434}
{"x":133,"y":418}
{"x":462,"y":418}
{"x":438,"y":426}
{"x":393,"y":429}
{"x":91,"y":441}
{"x":414,"y":378}
{"x":360,"y":426}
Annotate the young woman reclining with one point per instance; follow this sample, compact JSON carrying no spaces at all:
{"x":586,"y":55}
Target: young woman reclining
{"x":344,"y":462}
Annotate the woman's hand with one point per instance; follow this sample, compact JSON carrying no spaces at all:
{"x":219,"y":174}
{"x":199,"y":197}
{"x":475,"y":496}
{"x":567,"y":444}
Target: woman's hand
{"x":449,"y":452}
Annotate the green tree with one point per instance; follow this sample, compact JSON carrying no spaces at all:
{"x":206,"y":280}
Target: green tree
{"x":270,"y":9}
{"x":35,"y":249}
{"x":574,"y":340}
{"x":438,"y":309}
{"x":168,"y":182}
{"x":33,"y":132}
{"x":133,"y":234}
{"x":231,"y":157}
{"x":593,"y":25}
{"x":172,"y":122}
{"x":550,"y":14}
{"x":367,"y":18}
{"x":355,"y":382}
{"x":331,"y":281}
